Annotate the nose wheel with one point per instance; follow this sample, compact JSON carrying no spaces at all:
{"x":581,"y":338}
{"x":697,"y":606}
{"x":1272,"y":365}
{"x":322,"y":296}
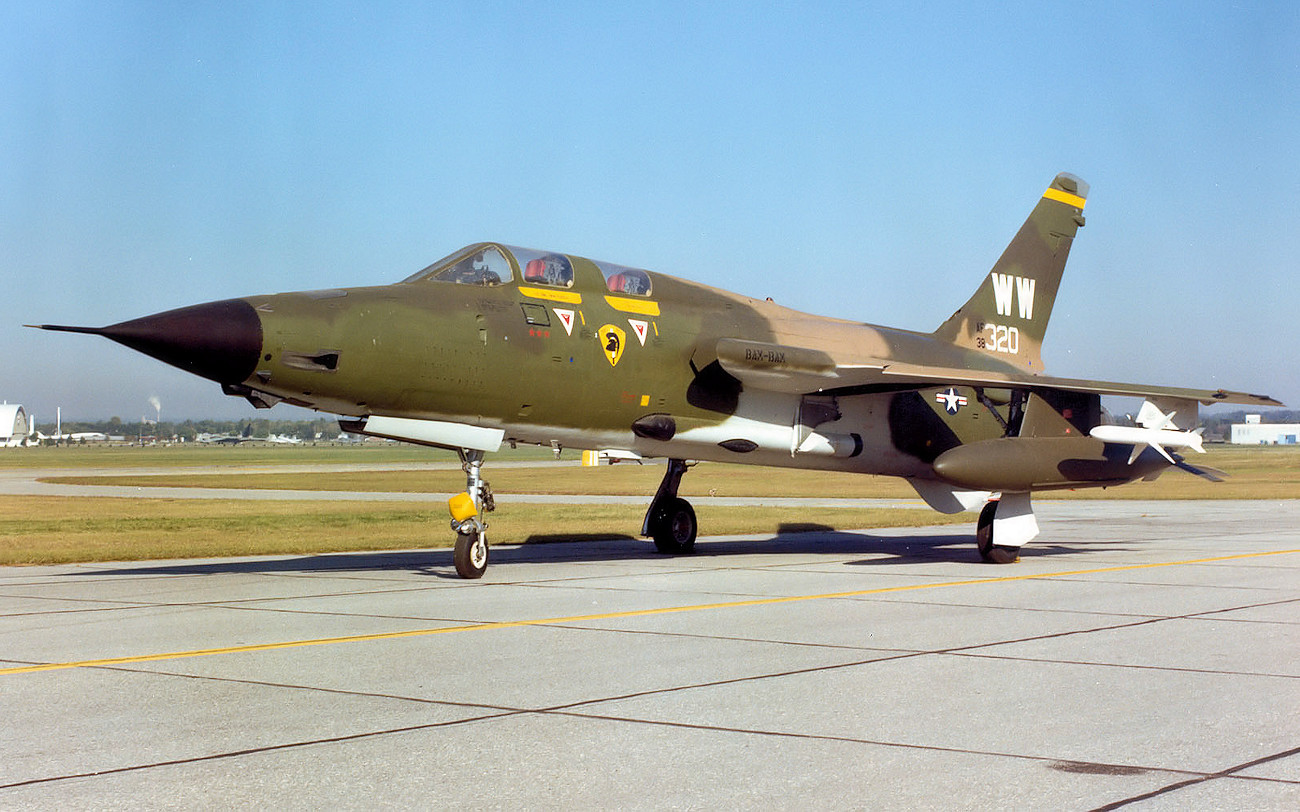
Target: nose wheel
{"x":471,"y":554}
{"x":467,"y":509}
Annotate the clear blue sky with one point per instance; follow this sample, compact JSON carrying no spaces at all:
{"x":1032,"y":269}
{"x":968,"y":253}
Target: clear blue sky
{"x":868,"y":161}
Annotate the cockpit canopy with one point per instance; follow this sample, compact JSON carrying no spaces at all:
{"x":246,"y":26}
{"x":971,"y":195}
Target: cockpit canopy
{"x":541,"y":268}
{"x":490,"y":264}
{"x":480,"y":264}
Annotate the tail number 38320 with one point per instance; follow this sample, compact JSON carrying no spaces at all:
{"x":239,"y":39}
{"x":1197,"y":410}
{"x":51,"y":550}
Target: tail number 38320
{"x":1000,"y":338}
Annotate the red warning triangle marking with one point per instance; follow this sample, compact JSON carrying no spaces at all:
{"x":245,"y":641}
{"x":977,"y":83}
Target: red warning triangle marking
{"x":639,"y":327}
{"x":566,"y":319}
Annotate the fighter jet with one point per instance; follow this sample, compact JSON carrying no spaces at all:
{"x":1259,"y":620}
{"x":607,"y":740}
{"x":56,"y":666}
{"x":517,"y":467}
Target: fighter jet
{"x":498,"y":344}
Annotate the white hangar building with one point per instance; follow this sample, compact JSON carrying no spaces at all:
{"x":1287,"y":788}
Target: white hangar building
{"x":1254,"y":432}
{"x":13,"y":425}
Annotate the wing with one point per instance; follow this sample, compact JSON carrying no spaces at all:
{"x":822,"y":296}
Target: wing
{"x":800,"y":370}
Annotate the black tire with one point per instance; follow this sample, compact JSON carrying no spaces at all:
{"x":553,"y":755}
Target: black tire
{"x":990,"y":552}
{"x":673,"y":527}
{"x":471,"y":555}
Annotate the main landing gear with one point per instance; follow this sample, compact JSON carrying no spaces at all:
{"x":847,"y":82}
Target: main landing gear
{"x":471,"y":553}
{"x":670,"y":521}
{"x":1011,"y":519}
{"x":990,"y":552}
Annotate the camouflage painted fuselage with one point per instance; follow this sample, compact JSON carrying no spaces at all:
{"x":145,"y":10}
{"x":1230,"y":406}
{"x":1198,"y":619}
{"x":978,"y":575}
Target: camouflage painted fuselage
{"x":502,"y":356}
{"x":559,"y":350}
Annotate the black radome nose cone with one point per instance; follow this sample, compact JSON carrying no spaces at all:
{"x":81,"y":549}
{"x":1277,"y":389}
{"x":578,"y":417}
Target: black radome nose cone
{"x":220,"y":341}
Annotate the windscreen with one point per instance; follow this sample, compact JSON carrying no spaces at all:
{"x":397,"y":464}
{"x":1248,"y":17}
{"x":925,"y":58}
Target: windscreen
{"x":476,"y":265}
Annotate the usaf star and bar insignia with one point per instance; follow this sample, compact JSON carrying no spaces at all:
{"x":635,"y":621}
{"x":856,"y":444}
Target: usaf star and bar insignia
{"x":951,"y":400}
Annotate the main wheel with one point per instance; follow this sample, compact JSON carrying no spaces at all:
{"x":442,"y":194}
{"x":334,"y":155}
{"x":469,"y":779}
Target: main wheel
{"x":673,"y":527}
{"x":471,"y":555}
{"x":990,"y":552}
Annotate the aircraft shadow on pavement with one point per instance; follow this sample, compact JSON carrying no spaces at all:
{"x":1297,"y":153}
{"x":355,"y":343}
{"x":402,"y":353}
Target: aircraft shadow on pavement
{"x":802,"y":539}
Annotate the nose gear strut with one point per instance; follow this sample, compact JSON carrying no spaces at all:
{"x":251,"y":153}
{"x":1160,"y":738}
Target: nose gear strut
{"x":471,"y":553}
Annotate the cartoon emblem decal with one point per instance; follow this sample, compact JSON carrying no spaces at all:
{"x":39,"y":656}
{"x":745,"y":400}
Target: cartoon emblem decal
{"x":951,"y":400}
{"x":612,"y":340}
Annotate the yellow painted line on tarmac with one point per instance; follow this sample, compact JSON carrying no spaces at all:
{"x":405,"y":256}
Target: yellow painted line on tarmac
{"x":666,"y":610}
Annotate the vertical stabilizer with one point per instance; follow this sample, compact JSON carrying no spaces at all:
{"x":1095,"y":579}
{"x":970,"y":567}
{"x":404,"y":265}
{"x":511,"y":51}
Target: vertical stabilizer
{"x":1007,"y":316}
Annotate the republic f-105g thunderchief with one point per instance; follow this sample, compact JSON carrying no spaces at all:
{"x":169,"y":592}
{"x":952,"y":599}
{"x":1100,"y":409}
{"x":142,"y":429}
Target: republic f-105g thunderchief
{"x":501,"y":344}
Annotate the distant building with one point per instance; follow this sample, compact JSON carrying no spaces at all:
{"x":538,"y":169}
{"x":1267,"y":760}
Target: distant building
{"x":14,"y":429}
{"x":1253,"y":432}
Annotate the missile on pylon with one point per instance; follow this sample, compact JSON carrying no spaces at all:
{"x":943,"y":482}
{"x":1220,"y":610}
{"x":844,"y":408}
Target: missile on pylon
{"x":1159,"y":439}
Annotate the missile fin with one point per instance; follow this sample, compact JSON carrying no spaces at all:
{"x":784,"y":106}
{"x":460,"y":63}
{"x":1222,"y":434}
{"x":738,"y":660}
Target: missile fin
{"x":1138,"y":448}
{"x":1162,"y":451}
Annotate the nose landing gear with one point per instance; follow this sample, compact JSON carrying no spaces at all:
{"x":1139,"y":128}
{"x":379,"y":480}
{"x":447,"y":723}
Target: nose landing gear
{"x":471,"y":552}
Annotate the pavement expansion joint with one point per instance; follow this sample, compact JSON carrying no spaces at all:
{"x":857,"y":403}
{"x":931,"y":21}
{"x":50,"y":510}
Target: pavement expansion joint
{"x":1137,"y":667}
{"x":734,"y":639}
{"x":1060,"y":682}
{"x":1096,"y":768}
{"x":251,"y":751}
{"x":1203,"y":777}
{"x":734,"y":604}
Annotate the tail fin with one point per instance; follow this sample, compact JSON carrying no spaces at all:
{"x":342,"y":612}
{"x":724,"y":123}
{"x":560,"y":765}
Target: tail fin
{"x":1007,"y":316}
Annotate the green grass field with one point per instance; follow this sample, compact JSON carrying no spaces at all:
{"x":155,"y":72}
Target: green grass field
{"x":1255,"y":473}
{"x":41,"y":529}
{"x":54,"y":529}
{"x":203,"y":456}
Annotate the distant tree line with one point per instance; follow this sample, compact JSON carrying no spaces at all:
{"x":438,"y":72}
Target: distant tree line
{"x":1216,"y":425}
{"x":189,"y":430}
